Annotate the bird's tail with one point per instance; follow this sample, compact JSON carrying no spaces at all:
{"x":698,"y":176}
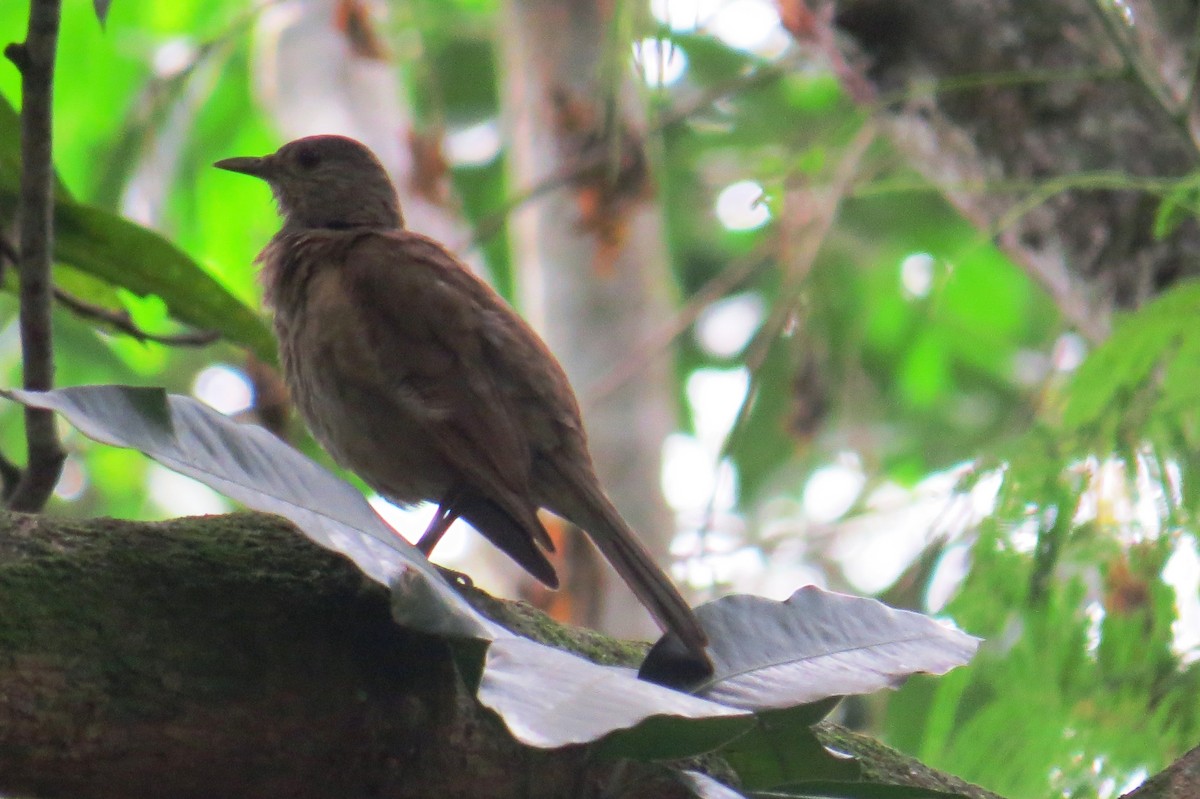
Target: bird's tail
{"x":518,"y":541}
{"x":618,"y":543}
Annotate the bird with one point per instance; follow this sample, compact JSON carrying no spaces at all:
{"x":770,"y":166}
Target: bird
{"x":416,"y":375}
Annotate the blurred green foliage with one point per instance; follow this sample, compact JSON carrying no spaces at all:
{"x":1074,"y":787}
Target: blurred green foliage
{"x":1079,"y":688}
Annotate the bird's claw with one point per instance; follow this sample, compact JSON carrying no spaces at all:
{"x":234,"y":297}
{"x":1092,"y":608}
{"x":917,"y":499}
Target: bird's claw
{"x":456,"y":577}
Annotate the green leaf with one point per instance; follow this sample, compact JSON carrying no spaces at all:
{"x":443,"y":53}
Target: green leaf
{"x":132,"y":257}
{"x":1104,"y":384}
{"x":1180,"y":204}
{"x":673,"y":737}
{"x":763,"y":441}
{"x":83,"y":284}
{"x":783,"y":749}
{"x":10,"y":152}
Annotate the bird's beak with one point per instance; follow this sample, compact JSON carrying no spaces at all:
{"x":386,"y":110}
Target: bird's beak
{"x":257,"y":167}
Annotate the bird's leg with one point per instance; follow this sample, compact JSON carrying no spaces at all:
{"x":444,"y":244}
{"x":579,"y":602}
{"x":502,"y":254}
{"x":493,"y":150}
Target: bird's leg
{"x":439,"y":524}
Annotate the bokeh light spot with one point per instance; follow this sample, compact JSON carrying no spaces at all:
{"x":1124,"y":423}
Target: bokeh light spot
{"x":659,"y":62}
{"x":740,"y":206}
{"x":224,"y":388}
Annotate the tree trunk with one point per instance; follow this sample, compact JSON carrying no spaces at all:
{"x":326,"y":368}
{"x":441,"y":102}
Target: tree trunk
{"x":592,"y":258}
{"x":1050,"y":125}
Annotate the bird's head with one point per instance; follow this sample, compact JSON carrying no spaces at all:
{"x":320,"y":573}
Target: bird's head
{"x":325,"y":182}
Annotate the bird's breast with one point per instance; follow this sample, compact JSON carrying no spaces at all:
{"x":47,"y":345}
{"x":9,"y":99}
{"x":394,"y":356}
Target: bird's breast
{"x":355,"y":412}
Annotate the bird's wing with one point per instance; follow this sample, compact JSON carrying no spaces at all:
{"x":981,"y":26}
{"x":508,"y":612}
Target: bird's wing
{"x":427,"y":319}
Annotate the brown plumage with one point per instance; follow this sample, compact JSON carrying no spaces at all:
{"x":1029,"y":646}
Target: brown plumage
{"x":413,"y":373}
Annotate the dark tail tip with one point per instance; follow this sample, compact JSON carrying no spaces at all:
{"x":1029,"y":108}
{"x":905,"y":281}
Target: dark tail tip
{"x":510,"y":537}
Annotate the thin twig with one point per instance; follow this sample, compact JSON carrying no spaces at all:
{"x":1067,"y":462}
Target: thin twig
{"x":491,"y":224}
{"x":1074,"y":304}
{"x":123,"y":323}
{"x":35,"y":60}
{"x":658,"y":341}
{"x":1016,"y":78}
{"x":119,"y":320}
{"x":1049,"y":272}
{"x":1143,"y":74}
{"x":798,"y":259}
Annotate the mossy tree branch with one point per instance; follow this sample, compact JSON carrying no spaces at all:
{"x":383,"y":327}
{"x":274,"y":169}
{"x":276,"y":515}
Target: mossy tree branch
{"x":228,"y":656}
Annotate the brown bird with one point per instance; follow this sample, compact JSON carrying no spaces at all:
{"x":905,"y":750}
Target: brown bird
{"x":417,"y":376}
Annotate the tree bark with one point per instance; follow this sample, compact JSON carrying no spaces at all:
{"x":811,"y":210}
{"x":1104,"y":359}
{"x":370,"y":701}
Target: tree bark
{"x":228,"y":656}
{"x":1180,"y":780}
{"x":1057,"y":127}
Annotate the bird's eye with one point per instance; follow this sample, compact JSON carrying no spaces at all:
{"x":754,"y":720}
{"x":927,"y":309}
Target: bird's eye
{"x":308,"y":158}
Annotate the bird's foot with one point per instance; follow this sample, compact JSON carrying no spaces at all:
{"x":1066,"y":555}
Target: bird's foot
{"x":455,"y":577}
